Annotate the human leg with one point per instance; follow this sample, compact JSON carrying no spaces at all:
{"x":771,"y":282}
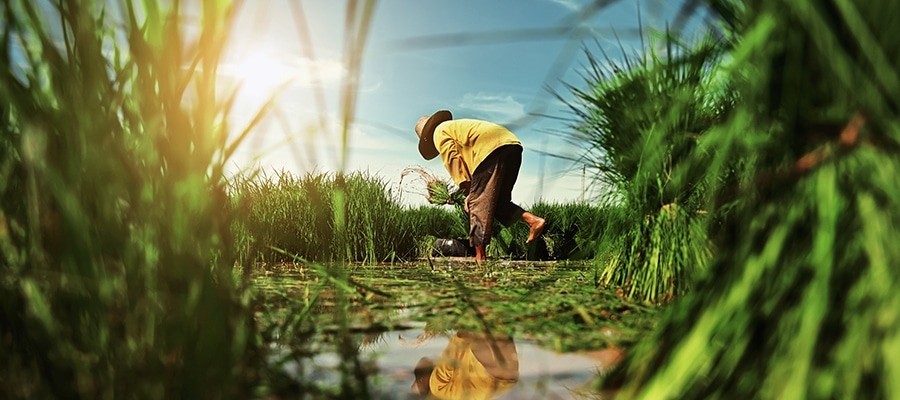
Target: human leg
{"x":485,"y":193}
{"x":482,"y":206}
{"x":490,"y":197}
{"x":507,"y":211}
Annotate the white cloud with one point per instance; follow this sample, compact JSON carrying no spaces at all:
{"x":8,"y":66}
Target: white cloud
{"x":329,"y":71}
{"x":372,"y":87}
{"x":574,"y":5}
{"x":498,"y":108}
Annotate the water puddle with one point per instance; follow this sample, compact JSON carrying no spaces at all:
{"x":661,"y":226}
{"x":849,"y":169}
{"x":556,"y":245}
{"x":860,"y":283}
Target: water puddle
{"x":426,"y":333}
{"x":462,"y":365}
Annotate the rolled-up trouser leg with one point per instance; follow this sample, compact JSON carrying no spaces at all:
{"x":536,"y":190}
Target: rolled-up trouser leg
{"x":490,"y":194}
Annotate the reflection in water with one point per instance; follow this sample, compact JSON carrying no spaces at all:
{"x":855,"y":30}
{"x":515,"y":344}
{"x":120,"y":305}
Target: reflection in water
{"x":475,"y":365}
{"x":520,"y":370}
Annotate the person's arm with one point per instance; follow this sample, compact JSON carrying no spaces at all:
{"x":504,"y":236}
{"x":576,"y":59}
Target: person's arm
{"x":449,"y":148}
{"x":453,"y":161}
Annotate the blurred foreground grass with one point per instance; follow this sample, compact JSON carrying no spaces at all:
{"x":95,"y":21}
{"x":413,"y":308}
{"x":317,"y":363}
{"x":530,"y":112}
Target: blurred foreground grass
{"x":117,"y":258}
{"x":797,"y":174}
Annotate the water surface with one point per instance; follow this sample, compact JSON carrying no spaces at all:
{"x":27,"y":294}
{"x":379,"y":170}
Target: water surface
{"x":447,"y":331}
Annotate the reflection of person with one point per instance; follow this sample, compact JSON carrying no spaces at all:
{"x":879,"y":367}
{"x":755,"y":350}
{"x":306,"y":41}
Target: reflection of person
{"x":473,"y":366}
{"x":483,"y":158}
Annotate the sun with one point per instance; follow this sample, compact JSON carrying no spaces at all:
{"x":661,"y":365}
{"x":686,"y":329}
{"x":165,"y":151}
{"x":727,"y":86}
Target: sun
{"x":261,"y":74}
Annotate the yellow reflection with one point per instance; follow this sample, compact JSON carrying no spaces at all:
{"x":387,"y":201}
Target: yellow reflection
{"x":473,"y":366}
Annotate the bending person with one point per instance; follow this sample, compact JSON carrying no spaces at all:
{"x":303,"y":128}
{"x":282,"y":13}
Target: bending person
{"x":483,"y":158}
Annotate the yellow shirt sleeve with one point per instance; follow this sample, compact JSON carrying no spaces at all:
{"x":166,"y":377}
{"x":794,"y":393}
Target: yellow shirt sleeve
{"x":465,"y":143}
{"x":452,"y":157}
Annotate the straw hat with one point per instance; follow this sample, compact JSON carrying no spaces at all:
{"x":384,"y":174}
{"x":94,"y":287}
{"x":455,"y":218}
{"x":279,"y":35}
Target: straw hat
{"x":425,"y":131}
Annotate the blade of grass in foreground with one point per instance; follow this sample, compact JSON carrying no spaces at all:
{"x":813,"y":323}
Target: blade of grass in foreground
{"x":798,"y":302}
{"x":117,"y":260}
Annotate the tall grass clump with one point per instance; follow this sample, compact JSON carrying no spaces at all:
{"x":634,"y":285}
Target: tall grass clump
{"x":295,"y":215}
{"x":801,"y":300}
{"x":572,"y":228}
{"x":116,"y":269}
{"x":637,"y":120}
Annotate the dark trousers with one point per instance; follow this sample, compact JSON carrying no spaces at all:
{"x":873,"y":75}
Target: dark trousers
{"x":490,"y":194}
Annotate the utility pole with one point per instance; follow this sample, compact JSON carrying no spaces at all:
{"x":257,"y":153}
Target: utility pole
{"x":583,"y":168}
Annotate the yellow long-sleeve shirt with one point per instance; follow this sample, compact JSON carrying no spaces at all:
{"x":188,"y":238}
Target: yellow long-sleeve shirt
{"x":465,"y":143}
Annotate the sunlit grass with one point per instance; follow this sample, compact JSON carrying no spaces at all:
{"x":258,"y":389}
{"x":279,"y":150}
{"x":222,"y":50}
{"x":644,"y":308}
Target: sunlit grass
{"x":293,"y":214}
{"x":638,"y":121}
{"x":128,"y":265}
{"x":796,"y":302}
{"x":117,"y":262}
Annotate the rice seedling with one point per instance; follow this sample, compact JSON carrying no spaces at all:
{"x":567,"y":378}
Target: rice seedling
{"x":800,"y":300}
{"x":293,"y":215}
{"x":437,"y":191}
{"x":289,"y":214}
{"x":637,"y":122}
{"x":572,"y":232}
{"x":656,"y":261}
{"x":573,"y":229}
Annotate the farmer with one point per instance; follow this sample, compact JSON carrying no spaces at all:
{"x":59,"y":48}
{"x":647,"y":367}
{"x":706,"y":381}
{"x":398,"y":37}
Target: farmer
{"x":483,"y":158}
{"x":474,"y":365}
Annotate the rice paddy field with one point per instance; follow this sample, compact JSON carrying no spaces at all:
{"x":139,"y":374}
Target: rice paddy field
{"x":399,"y":314}
{"x":746,"y":247}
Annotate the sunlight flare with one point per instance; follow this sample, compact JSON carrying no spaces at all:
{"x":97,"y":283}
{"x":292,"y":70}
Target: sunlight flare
{"x":260,"y":74}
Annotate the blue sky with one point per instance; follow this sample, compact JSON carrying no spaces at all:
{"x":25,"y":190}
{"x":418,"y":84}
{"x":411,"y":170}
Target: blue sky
{"x":479,"y":59}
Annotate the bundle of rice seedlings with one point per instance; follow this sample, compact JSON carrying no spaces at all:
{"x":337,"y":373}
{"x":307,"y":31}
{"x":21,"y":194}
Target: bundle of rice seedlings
{"x":640,"y":120}
{"x":656,"y":261}
{"x":437,"y":191}
{"x":801,"y":299}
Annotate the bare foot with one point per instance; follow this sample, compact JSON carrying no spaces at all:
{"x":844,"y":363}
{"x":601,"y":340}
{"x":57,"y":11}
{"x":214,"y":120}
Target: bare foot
{"x":480,"y":255}
{"x":536,"y":227}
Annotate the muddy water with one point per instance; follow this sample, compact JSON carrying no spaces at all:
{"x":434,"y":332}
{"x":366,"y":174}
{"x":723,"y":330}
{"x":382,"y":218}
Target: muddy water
{"x":541,"y":374}
{"x":403,"y":358}
{"x":523,"y":369}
